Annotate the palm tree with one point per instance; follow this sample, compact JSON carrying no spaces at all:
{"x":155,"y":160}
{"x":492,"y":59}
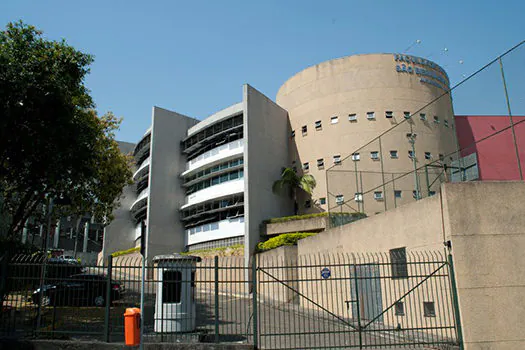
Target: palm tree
{"x":290,"y":183}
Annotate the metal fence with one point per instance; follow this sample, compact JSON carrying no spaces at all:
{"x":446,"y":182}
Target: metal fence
{"x":395,"y":299}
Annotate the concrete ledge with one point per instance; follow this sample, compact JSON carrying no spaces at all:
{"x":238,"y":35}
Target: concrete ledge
{"x":6,"y":344}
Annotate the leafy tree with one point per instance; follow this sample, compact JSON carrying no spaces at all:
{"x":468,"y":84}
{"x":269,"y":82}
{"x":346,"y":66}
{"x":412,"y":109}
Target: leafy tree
{"x":52,"y":143}
{"x":290,"y":183}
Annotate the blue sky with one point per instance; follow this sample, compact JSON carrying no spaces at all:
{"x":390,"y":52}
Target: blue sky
{"x":193,"y":56}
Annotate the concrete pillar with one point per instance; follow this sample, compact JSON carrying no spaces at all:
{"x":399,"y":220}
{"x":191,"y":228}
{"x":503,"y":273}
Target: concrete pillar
{"x":24,"y":233}
{"x":56,"y":237}
{"x":41,"y":230}
{"x":71,"y":233}
{"x":86,"y":236}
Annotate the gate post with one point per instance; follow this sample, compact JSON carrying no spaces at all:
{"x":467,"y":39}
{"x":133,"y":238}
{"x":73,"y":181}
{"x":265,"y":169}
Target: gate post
{"x":108,"y":299}
{"x":358,"y":307}
{"x":254,"y":300}
{"x":216,"y":277}
{"x":455,"y":301}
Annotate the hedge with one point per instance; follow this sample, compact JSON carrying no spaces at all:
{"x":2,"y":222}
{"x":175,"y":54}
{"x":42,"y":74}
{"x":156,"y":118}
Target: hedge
{"x":124,"y":252}
{"x":315,"y":215}
{"x":284,"y":239}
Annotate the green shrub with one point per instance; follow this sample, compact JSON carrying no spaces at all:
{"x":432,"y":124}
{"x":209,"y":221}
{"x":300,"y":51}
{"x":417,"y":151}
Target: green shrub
{"x":124,"y":252}
{"x":315,"y":215}
{"x":284,"y":239}
{"x":214,"y":251}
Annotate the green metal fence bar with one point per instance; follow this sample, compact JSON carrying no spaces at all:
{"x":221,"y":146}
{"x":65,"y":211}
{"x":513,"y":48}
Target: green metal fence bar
{"x":108,"y":300}
{"x":455,"y":299}
{"x":216,"y":283}
{"x":254,"y":303}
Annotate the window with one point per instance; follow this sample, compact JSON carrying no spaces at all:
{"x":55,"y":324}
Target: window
{"x":318,"y":125}
{"x":441,"y":157}
{"x":436,"y":119}
{"x":352,"y":117}
{"x":400,"y":308}
{"x":389,"y":114}
{"x":337,"y":160}
{"x":398,"y":260}
{"x":411,"y":154}
{"x":374,"y":155}
{"x":415,"y":194}
{"x":308,"y":204}
{"x":445,"y":122}
{"x":306,"y":166}
{"x":320,"y":163}
{"x":334,"y":120}
{"x":378,"y":195}
{"x":429,"y":309}
{"x":171,"y":286}
{"x":431,"y":193}
{"x":428,"y":155}
{"x":370,"y":115}
{"x":339,"y":199}
{"x":393,"y":154}
{"x":292,"y":134}
{"x":355,"y":156}
{"x":406,"y":115}
{"x":358,"y":197}
{"x":397,"y":193}
{"x":304,"y":129}
{"x":422,"y":116}
{"x":322,"y":201}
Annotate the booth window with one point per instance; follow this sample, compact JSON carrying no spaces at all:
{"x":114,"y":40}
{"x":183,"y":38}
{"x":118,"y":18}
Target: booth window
{"x":171,"y":286}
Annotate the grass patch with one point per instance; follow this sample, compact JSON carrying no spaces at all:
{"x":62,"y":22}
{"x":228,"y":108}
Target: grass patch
{"x":315,"y":215}
{"x":125,"y":252}
{"x":281,"y":240}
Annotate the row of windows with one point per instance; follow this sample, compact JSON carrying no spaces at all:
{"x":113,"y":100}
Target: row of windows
{"x":212,"y":130}
{"x":201,"y":209}
{"x":374,"y":155}
{"x":214,"y":169}
{"x":212,"y":226}
{"x":233,"y":175}
{"x":370,"y":116}
{"x":378,"y":195}
{"x":429,"y":309}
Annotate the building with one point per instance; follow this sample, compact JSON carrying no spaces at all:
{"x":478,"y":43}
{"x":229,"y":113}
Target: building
{"x":202,"y":184}
{"x":338,"y":106}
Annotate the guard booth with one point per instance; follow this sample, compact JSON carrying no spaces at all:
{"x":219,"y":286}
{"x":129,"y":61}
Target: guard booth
{"x":175,"y":310}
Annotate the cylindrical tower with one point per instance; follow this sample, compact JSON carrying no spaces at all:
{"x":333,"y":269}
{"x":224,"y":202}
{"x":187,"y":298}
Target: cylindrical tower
{"x":336,"y":108}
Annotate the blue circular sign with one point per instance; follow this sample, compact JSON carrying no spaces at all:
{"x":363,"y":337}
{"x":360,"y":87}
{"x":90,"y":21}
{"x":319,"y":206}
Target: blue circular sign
{"x":325,"y":273}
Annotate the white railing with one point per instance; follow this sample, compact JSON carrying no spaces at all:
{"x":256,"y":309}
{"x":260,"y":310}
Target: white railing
{"x":220,"y":190}
{"x":223,"y":151}
{"x":216,"y":230}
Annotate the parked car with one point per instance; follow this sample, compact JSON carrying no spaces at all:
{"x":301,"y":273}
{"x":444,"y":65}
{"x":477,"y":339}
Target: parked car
{"x":78,"y":290}
{"x":69,"y":259}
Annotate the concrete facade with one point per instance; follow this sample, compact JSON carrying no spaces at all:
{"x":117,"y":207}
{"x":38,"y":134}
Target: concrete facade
{"x":345,"y":103}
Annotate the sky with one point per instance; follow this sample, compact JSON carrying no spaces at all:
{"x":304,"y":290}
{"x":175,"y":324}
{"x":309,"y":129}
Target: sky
{"x":193,"y":56}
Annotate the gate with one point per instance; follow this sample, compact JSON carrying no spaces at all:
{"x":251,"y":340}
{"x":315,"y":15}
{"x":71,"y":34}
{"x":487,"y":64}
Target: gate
{"x":335,"y":301}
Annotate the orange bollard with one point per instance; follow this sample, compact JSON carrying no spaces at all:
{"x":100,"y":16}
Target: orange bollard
{"x":132,"y":326}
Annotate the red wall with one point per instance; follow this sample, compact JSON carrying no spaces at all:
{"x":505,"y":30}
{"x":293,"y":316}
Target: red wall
{"x":496,"y":155}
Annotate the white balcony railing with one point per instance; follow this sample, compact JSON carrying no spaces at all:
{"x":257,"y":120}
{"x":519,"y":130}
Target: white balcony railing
{"x":216,"y":230}
{"x":223,"y":151}
{"x":216,"y":191}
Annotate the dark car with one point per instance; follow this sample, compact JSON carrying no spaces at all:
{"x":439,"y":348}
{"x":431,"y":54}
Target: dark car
{"x":78,"y":290}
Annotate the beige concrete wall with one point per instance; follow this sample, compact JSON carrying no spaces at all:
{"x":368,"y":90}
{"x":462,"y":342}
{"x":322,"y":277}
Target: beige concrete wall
{"x":305,"y":225}
{"x":277,"y":275}
{"x":487,"y":228}
{"x":357,"y":85}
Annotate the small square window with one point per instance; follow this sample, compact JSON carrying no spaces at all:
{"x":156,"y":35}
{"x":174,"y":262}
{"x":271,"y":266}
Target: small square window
{"x":355,"y":156}
{"x":441,"y":157}
{"x":304,"y":129}
{"x":322,"y":201}
{"x":415,"y":194}
{"x":318,"y":125}
{"x":428,"y":155}
{"x":422,"y":116}
{"x":358,"y":197}
{"x":406,"y":115}
{"x":436,"y":119}
{"x":445,"y":122}
{"x":334,"y":120}
{"x":374,"y":155}
{"x":337,"y":160}
{"x":306,"y":166}
{"x":393,"y":154}
{"x":320,"y":163}
{"x":389,"y":114}
{"x":352,"y":117}
{"x":397,"y":193}
{"x":429,"y":309}
{"x":431,"y":193}
{"x":378,"y":195}
{"x":339,"y":199}
{"x":400,"y":308}
{"x":411,"y":154}
{"x":308,"y":204}
{"x":292,"y":134}
{"x":370,"y":115}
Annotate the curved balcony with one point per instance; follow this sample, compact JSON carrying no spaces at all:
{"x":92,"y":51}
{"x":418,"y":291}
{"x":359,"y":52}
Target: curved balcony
{"x":216,"y":230}
{"x":142,"y":170}
{"x":221,"y":153}
{"x":221,"y":190}
{"x":140,"y":202}
{"x":142,"y":148}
